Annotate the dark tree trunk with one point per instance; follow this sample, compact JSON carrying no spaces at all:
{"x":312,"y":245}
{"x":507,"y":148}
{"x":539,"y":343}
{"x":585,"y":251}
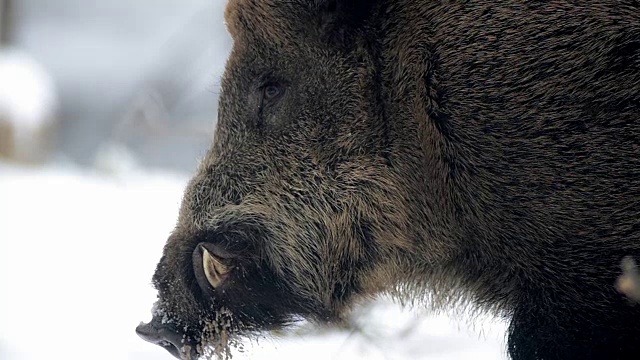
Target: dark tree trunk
{"x":6,"y":22}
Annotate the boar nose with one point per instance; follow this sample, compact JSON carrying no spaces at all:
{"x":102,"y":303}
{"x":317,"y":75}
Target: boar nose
{"x":168,"y":338}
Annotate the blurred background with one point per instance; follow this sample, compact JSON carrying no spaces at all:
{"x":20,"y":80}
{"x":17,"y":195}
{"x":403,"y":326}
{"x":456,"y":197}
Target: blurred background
{"x":105,"y":109}
{"x":140,"y":76}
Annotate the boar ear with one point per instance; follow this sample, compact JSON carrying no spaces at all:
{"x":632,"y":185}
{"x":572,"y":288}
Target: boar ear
{"x":340,"y":20}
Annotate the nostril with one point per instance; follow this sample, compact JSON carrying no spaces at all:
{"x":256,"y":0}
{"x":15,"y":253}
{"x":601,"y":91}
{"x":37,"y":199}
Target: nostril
{"x":162,"y":335}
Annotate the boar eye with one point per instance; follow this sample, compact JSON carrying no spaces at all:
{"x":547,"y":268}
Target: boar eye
{"x":271,"y":91}
{"x":268,"y":94}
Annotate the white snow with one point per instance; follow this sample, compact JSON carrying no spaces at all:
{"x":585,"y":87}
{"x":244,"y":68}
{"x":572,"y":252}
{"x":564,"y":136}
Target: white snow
{"x":77,"y":251}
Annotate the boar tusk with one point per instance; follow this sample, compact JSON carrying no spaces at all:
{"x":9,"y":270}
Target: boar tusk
{"x":214,"y":270}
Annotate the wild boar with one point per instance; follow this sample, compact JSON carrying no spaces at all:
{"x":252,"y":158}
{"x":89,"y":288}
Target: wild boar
{"x":486,"y":152}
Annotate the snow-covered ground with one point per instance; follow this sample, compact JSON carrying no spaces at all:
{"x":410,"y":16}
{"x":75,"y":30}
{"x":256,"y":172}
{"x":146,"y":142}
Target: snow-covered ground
{"x":77,"y":251}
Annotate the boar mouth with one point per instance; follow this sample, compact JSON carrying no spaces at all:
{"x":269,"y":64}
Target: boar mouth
{"x":163,"y":335}
{"x":220,"y":286}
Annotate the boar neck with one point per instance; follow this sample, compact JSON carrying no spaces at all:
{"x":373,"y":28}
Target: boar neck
{"x":417,"y":112}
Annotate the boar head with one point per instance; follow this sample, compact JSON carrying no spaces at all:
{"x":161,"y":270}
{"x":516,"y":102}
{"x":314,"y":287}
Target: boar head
{"x":298,"y":209}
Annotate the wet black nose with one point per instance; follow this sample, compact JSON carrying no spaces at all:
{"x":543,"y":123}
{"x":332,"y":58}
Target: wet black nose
{"x":168,"y":338}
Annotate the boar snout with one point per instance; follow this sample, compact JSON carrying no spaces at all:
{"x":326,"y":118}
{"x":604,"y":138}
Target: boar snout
{"x":165,"y":336}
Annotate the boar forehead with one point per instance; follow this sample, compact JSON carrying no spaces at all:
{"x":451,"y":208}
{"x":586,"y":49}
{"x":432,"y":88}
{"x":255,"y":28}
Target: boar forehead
{"x":265,"y":19}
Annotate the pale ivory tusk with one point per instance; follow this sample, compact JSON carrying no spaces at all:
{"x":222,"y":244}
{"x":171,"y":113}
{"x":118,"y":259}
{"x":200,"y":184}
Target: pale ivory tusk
{"x":213,"y":268}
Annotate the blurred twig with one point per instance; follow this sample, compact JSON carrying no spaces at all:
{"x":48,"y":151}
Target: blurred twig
{"x":148,"y":115}
{"x":150,"y":108}
{"x":364,"y":325}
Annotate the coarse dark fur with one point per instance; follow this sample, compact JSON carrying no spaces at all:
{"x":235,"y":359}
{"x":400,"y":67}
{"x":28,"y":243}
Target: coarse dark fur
{"x":486,"y":151}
